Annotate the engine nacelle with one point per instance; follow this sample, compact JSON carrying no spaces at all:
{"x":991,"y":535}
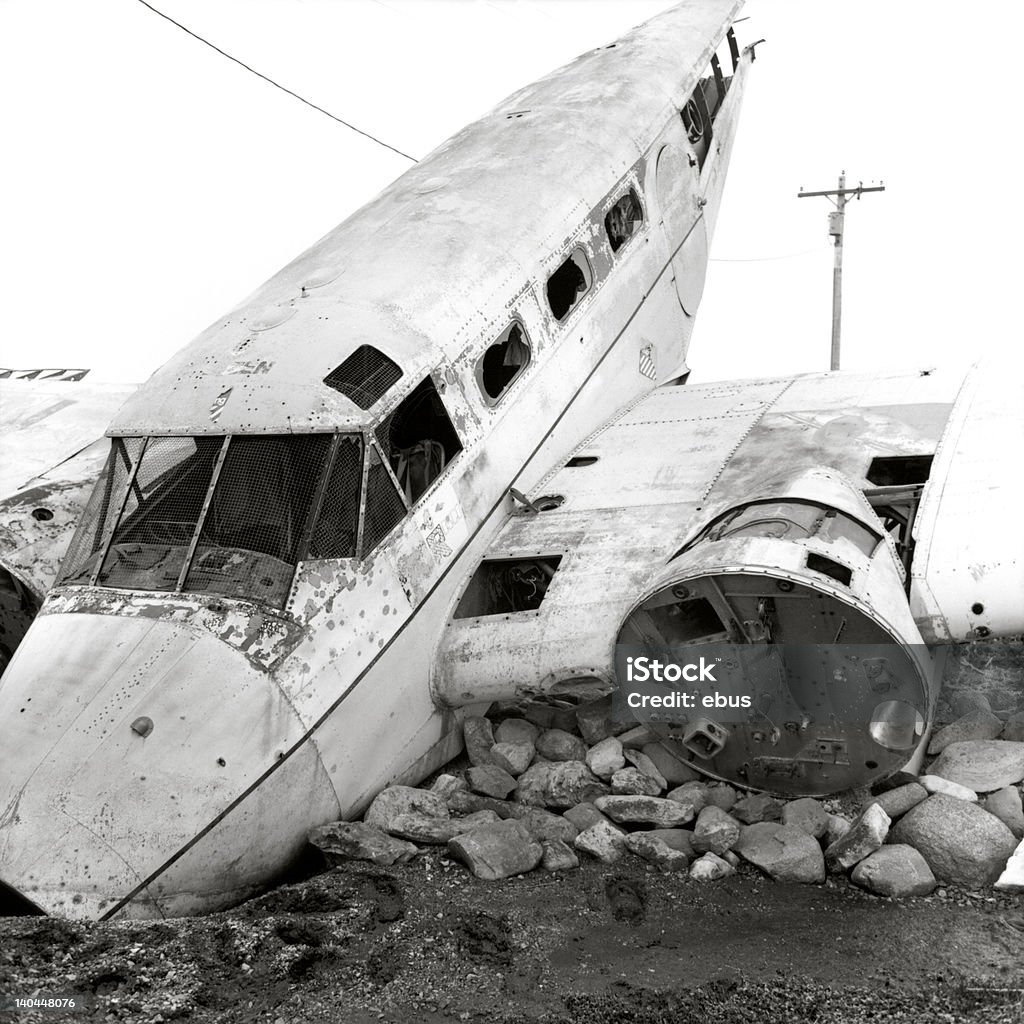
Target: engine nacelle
{"x":821,"y":678}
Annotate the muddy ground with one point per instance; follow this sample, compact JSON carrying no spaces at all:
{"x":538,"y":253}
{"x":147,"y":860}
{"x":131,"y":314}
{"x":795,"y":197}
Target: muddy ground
{"x":428,"y":942}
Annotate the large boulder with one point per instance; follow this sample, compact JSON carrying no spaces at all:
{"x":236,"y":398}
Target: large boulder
{"x":979,"y":724}
{"x":355,"y":840}
{"x":595,"y":722}
{"x":981,"y":765}
{"x":395,"y":800}
{"x":496,"y":851}
{"x":866,"y":834}
{"x":785,"y":852}
{"x":1014,"y":728}
{"x":897,"y":802}
{"x":1005,"y":804}
{"x":605,"y":758}
{"x":694,"y":793}
{"x":558,"y":745}
{"x":656,"y":851}
{"x":420,"y":828}
{"x":808,"y":814}
{"x":478,"y":736}
{"x":545,"y":826}
{"x":639,"y":760}
{"x":603,"y":841}
{"x":961,"y":842}
{"x":490,"y":780}
{"x":583,"y":815}
{"x":513,"y":758}
{"x":633,"y":782}
{"x":645,"y":810}
{"x":755,"y":807}
{"x":894,"y":870}
{"x":937,"y":784}
{"x":1012,"y":877}
{"x":674,"y":771}
{"x":680,"y":839}
{"x":715,"y":831}
{"x":516,"y":730}
{"x":710,"y":868}
{"x":558,"y":784}
{"x":558,"y":856}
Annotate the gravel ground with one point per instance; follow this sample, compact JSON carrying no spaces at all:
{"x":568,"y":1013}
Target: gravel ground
{"x":427,"y":942}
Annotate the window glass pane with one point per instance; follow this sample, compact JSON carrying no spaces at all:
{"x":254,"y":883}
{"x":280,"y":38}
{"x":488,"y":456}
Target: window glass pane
{"x":334,"y":535}
{"x":568,"y":284}
{"x":503,"y":362}
{"x":365,"y":377}
{"x":623,"y":219}
{"x":160,"y":517}
{"x":100,"y":514}
{"x":384,"y":505}
{"x":250,"y":538}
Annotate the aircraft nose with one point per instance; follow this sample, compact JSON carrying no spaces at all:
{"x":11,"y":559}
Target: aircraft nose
{"x":123,"y":739}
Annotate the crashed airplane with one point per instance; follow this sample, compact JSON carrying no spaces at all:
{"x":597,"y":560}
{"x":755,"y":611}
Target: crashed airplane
{"x":442,"y":459}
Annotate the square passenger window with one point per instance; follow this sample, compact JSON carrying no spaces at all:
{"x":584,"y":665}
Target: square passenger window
{"x":365,"y":377}
{"x":623,"y":219}
{"x":569,"y":283}
{"x":502,"y":362}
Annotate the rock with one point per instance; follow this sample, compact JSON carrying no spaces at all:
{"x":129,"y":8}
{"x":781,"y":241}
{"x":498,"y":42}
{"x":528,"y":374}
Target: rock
{"x":1005,"y":804}
{"x":673,"y":771}
{"x":548,"y":715}
{"x":558,"y":856}
{"x":1013,"y":728}
{"x":545,"y":826}
{"x":490,"y":780}
{"x":730,"y":857}
{"x":721,"y":794}
{"x":893,"y":781}
{"x":710,"y":868}
{"x":583,"y":815}
{"x":603,"y":841}
{"x":479,"y":738}
{"x":516,"y":730}
{"x":715,"y":831}
{"x":636,"y":738}
{"x":935,"y":784}
{"x":866,"y":834}
{"x":895,"y":870}
{"x":838,"y":826}
{"x":419,"y":828}
{"x":693,"y":793}
{"x":605,"y":758}
{"x":961,"y":842}
{"x":756,"y":807}
{"x":645,"y":810}
{"x":967,"y":701}
{"x":397,"y":800}
{"x":559,"y":784}
{"x":656,"y":851}
{"x":784,"y":852}
{"x":979,"y":724}
{"x":639,"y":760}
{"x":445,"y":785}
{"x":513,"y":758}
{"x":558,"y":745}
{"x":808,"y":814}
{"x":633,"y":782}
{"x":594,"y":720}
{"x":1012,"y":877}
{"x":680,"y":839}
{"x":497,"y":851}
{"x":464,"y":802}
{"x":897,"y":802}
{"x":355,"y":840}
{"x":981,"y":765}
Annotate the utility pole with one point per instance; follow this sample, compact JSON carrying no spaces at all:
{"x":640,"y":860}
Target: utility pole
{"x":835,"y":229}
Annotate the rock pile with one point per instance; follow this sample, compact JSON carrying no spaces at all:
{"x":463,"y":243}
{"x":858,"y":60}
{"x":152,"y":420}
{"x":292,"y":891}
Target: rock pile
{"x":550,"y":785}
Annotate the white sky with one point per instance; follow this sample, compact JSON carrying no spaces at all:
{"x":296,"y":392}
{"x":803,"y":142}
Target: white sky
{"x":148,"y":184}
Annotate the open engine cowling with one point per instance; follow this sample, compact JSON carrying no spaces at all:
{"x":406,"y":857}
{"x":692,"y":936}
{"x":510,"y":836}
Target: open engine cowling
{"x":822,"y":680}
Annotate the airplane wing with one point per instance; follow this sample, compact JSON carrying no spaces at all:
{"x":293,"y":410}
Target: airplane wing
{"x":52,"y":449}
{"x":823,"y":510}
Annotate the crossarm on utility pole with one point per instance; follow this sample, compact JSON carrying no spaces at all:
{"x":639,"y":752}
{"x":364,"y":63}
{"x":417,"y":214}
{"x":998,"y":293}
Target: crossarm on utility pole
{"x":839,"y":197}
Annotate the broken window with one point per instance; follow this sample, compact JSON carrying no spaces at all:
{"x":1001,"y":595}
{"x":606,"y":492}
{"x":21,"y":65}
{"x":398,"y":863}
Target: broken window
{"x":365,"y":377}
{"x":384,"y":505}
{"x":418,"y":440}
{"x":504,"y":585}
{"x":703,"y":106}
{"x":682,"y":622}
{"x":829,"y":567}
{"x":503,"y":362}
{"x":899,"y":481}
{"x":899,"y":470}
{"x":623,"y":219}
{"x":568,"y":284}
{"x":337,"y":523}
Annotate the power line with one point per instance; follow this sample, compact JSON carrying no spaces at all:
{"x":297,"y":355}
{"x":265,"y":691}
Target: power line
{"x":277,"y":85}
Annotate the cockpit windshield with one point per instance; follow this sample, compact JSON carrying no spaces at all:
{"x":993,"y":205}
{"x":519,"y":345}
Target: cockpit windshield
{"x":230,"y":515}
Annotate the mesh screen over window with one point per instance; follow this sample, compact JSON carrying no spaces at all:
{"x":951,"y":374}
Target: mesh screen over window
{"x":365,"y":377}
{"x":384,"y":505}
{"x":101,"y":513}
{"x":337,"y":525}
{"x":250,"y":538}
{"x":164,"y":503}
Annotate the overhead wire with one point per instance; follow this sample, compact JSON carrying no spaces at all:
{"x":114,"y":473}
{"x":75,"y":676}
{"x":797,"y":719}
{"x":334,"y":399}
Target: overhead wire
{"x":277,"y":85}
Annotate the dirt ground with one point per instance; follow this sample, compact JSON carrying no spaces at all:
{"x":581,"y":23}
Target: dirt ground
{"x":427,"y":942}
